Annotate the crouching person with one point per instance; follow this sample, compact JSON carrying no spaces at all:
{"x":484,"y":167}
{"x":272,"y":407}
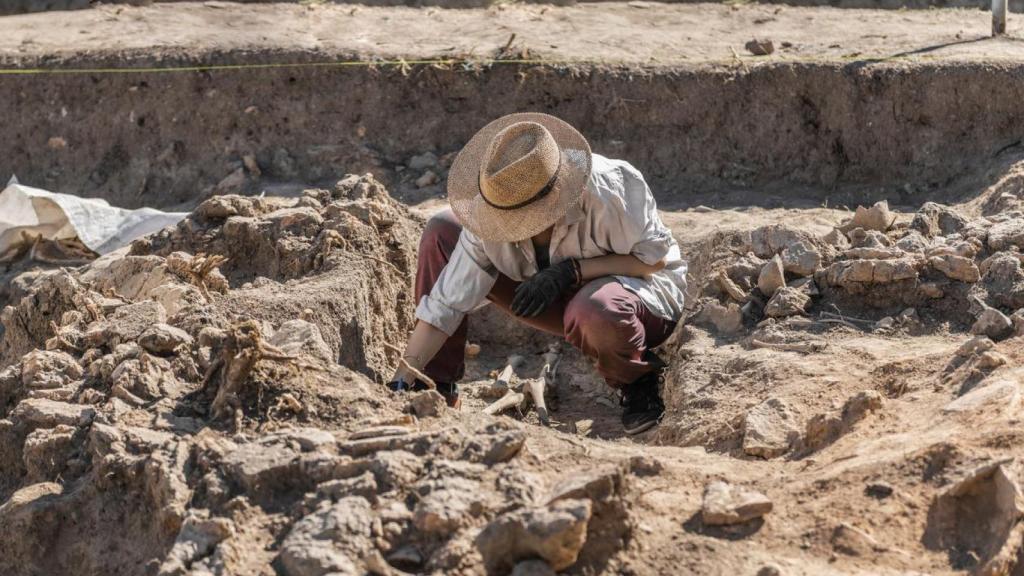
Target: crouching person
{"x":567,"y":241}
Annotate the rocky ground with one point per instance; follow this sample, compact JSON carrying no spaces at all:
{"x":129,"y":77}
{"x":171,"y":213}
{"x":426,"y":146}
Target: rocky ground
{"x":844,"y":398}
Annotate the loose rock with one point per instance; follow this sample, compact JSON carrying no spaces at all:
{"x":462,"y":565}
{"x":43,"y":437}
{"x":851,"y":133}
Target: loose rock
{"x":555,"y":534}
{"x":878,"y":218}
{"x":771,"y":277}
{"x":726,"y":319}
{"x":769,"y":429}
{"x":726,"y":504}
{"x":787,"y":302}
{"x":162,"y":339}
{"x":801,"y":258}
{"x":427,"y":404}
{"x":956,"y":267}
{"x":994,"y":324}
{"x":760,"y":47}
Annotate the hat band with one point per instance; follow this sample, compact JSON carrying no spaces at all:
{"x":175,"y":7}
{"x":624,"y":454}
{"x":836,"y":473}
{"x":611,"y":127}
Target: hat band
{"x":540,"y":193}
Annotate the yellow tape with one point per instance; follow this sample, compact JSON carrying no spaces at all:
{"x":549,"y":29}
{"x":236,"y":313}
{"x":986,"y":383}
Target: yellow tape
{"x":224,"y":67}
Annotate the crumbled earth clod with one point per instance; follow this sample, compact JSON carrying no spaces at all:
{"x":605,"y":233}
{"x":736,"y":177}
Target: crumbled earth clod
{"x":726,"y":504}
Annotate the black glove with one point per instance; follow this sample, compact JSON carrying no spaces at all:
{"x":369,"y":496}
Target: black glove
{"x":536,"y":294}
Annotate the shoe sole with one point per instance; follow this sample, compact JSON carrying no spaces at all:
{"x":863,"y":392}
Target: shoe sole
{"x":642,"y":427}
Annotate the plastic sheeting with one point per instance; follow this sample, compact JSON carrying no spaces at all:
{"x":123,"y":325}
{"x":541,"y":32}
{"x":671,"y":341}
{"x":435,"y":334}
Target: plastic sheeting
{"x":101,"y":227}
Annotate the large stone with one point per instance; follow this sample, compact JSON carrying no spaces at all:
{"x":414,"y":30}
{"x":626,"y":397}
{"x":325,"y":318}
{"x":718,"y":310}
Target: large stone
{"x":878,"y":218}
{"x":555,"y":534}
{"x":427,"y":404}
{"x":1003,"y":235}
{"x":787,"y":302}
{"x":598,"y":485}
{"x":770,"y":429}
{"x":979,"y":513}
{"x":300,"y":221}
{"x":994,"y":324}
{"x":43,"y":413}
{"x":162,"y":339}
{"x":874,"y":253}
{"x":298,"y":336}
{"x":935,"y":219}
{"x":861,"y":238}
{"x":726,"y":504}
{"x":332,"y":540}
{"x":126,"y":324}
{"x":47,"y":369}
{"x":912,"y":242}
{"x":442,"y":512}
{"x":801,"y":258}
{"x":726,"y":319}
{"x":47,"y":451}
{"x":772,"y":277}
{"x":873,"y":271}
{"x":197,"y":539}
{"x":956,"y":267}
{"x":837,"y":239}
{"x":257,"y":465}
{"x":772,"y":239}
{"x":998,"y":396}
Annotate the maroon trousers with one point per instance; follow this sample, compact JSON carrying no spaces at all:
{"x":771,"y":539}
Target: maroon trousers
{"x":604,"y":320}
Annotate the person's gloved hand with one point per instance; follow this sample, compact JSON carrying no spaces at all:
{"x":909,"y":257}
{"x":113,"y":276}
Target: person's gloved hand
{"x":536,"y":294}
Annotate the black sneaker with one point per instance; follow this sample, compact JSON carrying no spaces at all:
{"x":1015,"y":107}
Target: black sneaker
{"x":642,"y":407}
{"x":450,"y":391}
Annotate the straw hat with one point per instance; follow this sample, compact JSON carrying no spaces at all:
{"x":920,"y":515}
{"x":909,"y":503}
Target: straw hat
{"x":517,"y":176}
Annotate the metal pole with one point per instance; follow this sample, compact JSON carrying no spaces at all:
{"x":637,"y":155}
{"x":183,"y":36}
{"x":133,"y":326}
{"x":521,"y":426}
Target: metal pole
{"x":998,"y":17}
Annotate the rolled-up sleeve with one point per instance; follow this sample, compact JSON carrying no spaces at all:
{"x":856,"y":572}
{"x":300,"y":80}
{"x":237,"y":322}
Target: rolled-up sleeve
{"x":640,"y":229}
{"x":464,"y":283}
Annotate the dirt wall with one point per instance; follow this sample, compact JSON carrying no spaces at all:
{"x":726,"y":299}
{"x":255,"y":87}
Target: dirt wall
{"x":24,"y":6}
{"x":896,"y":130}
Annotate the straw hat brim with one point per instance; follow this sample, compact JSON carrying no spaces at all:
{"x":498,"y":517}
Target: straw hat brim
{"x":498,"y":225}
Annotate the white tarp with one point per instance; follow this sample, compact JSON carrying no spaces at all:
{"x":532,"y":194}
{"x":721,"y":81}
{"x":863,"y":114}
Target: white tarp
{"x":100,"y":226}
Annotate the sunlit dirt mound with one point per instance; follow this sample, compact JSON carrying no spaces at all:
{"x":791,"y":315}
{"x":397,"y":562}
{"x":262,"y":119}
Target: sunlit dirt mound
{"x":210,"y":402}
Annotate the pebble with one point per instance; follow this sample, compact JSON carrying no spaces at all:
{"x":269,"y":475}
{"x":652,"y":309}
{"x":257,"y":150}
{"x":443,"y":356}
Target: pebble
{"x":760,"y":47}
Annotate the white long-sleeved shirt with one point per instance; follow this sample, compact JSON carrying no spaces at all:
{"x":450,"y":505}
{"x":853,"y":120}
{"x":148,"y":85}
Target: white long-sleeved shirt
{"x":617,"y":215}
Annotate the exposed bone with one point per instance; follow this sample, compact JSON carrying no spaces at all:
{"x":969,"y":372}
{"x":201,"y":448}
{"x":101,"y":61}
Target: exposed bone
{"x":528,"y":391}
{"x":802,"y":347}
{"x":505,"y":402}
{"x":503,"y":381}
{"x":547,"y":381}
